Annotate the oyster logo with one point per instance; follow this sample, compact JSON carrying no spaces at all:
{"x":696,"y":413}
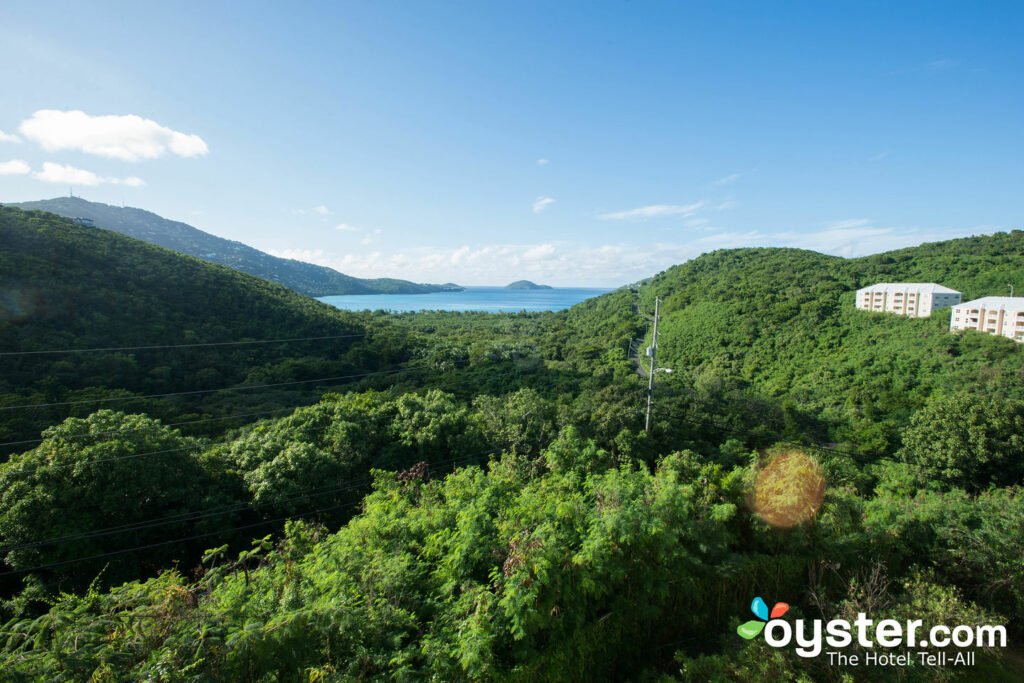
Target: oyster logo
{"x":753,"y":627}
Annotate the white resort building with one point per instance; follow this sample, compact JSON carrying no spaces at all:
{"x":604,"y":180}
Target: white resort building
{"x":914,"y":299}
{"x":1002,"y":315}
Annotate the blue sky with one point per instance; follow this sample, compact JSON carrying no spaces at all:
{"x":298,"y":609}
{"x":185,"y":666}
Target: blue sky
{"x":570,"y":143}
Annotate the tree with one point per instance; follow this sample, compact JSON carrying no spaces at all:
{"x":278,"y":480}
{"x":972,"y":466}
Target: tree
{"x":967,"y":441}
{"x":58,"y":501}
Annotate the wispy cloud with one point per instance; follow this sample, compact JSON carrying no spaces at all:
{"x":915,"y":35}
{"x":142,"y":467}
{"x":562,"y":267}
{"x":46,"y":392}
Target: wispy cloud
{"x":543,"y":162}
{"x":14,"y":167}
{"x":69,"y":175}
{"x":848,"y":223}
{"x":935,"y":65}
{"x":348,"y":228}
{"x":729,"y":179}
{"x":370,"y":238}
{"x":321,"y":211}
{"x":542,"y":203}
{"x":7,"y":137}
{"x":128,"y":138}
{"x":652,"y":211}
{"x":879,"y":156}
{"x":567,"y":264}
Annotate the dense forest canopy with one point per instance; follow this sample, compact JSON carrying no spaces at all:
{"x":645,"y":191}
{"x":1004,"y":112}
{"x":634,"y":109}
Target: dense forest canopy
{"x":471,"y":496}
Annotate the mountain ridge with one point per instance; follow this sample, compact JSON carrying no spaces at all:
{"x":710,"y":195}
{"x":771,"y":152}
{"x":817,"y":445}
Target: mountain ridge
{"x":305,"y":278}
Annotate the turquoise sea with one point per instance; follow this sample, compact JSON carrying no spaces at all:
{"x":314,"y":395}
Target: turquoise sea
{"x":488,"y":299}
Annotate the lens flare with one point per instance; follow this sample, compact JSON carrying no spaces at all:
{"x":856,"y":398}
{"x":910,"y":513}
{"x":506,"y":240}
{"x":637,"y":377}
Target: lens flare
{"x":789,"y":489}
{"x":16,"y":304}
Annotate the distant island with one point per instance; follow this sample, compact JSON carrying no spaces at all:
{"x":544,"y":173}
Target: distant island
{"x":526,"y":284}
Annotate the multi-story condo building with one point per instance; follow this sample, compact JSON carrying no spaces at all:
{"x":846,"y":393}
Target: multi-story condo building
{"x":992,"y":314}
{"x":914,"y":299}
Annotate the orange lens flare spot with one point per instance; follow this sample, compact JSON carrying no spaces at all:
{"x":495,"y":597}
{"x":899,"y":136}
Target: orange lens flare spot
{"x":789,"y":489}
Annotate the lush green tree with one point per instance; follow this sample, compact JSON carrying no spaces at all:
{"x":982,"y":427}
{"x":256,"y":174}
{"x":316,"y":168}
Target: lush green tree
{"x":110,"y":470}
{"x":966,"y":441}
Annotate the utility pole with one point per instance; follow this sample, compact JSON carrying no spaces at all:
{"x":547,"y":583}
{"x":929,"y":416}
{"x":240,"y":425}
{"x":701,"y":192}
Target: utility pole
{"x":650,"y":383}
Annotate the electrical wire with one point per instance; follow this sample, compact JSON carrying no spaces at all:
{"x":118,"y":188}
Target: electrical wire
{"x":199,"y":444}
{"x":195,"y":515}
{"x":221,"y":531}
{"x":192,"y":422}
{"x":243,"y":387}
{"x":183,"y":346}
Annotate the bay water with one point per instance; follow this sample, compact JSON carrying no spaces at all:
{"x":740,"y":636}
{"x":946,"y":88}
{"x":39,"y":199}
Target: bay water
{"x":487,"y":299}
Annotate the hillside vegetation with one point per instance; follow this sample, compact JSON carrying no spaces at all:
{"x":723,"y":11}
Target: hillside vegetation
{"x":501,"y":514}
{"x":780,"y":324}
{"x":65,"y":286}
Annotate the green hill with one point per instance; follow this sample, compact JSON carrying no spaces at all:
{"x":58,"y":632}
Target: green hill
{"x":306,"y":278}
{"x":65,"y":286}
{"x":781,"y":324}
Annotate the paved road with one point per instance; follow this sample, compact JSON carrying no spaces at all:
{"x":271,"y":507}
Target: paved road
{"x":636,"y":344}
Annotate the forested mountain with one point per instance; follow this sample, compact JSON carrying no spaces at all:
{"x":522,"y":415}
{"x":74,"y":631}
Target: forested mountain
{"x":501,"y":514}
{"x":305,"y":278}
{"x":65,"y":286}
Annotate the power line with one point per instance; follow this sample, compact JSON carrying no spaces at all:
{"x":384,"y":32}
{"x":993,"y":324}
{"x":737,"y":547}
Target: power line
{"x":223,"y":531}
{"x":195,"y":515}
{"x":172,"y":541}
{"x":242,"y":387}
{"x":650,"y":381}
{"x":188,"y":422}
{"x":183,"y":346}
{"x":167,"y":424}
{"x":200,"y":445}
{"x":180,"y":540}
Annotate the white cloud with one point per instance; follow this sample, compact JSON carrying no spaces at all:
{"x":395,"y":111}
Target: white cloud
{"x":848,"y":223}
{"x":369,"y":238}
{"x":652,"y":211}
{"x":7,"y":137}
{"x":348,"y":228}
{"x":543,"y":162}
{"x":605,"y":265}
{"x":879,"y":156}
{"x":14,"y":167}
{"x":539,"y":253}
{"x":128,"y":138}
{"x":323,"y":210}
{"x":728,"y":179}
{"x":316,"y":256}
{"x":69,"y":175}
{"x":542,"y":203}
